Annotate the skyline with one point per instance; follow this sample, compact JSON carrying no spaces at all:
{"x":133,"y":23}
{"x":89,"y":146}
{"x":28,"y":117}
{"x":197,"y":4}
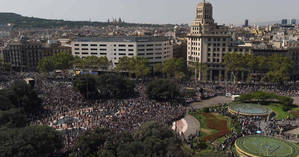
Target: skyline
{"x":142,"y":11}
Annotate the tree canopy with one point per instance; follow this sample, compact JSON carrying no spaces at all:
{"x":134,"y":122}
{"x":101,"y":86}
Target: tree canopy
{"x":105,"y":86}
{"x":163,"y":90}
{"x":275,"y":68}
{"x":152,"y":139}
{"x":173,"y":68}
{"x":134,"y":65}
{"x":20,"y":95}
{"x":62,"y":61}
{"x":30,"y":141}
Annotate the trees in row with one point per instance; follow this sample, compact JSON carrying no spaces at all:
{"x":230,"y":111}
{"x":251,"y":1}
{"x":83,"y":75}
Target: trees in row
{"x":173,"y":68}
{"x":151,"y":139}
{"x":137,"y":66}
{"x":64,"y":61}
{"x":266,"y":97}
{"x":275,"y":68}
{"x":163,"y":90}
{"x":116,"y":86}
{"x":104,"y":86}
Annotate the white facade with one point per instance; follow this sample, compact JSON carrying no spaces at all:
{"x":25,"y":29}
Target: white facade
{"x":155,"y":49}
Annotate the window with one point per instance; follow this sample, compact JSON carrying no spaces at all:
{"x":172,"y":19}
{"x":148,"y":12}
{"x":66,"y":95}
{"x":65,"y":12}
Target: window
{"x":150,"y":45}
{"x":93,"y":45}
{"x":93,"y":49}
{"x":122,"y":54}
{"x":121,"y":49}
{"x":84,"y":49}
{"x":131,"y":54}
{"x":149,"y":54}
{"x":130,"y":45}
{"x":149,"y":49}
{"x":84,"y":44}
{"x":140,"y":49}
{"x":131,"y":49}
{"x":103,"y":53}
{"x":140,"y":46}
{"x":121,"y":45}
{"x":103,"y":45}
{"x":94,"y":53}
{"x":77,"y":49}
{"x":76,"y":44}
{"x":84,"y":53}
{"x":103,"y":49}
{"x":77,"y":53}
{"x":140,"y":54}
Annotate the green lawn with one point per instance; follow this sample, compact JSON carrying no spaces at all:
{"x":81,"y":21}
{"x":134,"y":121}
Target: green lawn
{"x":280,"y":113}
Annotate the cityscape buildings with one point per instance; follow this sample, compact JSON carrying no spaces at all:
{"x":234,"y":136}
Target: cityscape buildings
{"x":154,"y":49}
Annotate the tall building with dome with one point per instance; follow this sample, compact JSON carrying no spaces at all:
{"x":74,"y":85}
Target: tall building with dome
{"x":207,"y":44}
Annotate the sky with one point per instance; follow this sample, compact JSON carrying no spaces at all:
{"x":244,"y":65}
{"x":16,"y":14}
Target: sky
{"x":154,"y":11}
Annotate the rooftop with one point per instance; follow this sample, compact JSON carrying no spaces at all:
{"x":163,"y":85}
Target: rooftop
{"x":121,"y":39}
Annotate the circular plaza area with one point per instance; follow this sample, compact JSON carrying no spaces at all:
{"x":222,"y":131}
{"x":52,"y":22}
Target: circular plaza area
{"x":249,"y":110}
{"x":262,"y":146}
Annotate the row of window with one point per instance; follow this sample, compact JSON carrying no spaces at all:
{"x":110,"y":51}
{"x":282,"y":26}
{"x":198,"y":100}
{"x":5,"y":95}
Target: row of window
{"x":102,"y":45}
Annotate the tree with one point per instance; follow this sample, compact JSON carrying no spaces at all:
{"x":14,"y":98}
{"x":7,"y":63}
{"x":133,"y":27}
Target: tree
{"x":30,"y":141}
{"x":279,"y":69}
{"x":134,"y":65}
{"x":200,"y":70}
{"x":163,"y":90}
{"x":235,"y":63}
{"x":159,"y":140}
{"x":13,"y":118}
{"x":92,"y":62}
{"x":151,"y":139}
{"x":87,"y":86}
{"x":20,"y":95}
{"x":115,"y":86}
{"x":62,"y":60}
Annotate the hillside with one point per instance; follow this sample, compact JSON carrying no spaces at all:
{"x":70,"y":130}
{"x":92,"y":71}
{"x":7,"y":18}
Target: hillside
{"x":20,"y":21}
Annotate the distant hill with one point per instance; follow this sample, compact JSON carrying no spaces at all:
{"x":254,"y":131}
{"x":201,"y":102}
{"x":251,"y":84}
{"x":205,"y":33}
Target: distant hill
{"x":20,"y":21}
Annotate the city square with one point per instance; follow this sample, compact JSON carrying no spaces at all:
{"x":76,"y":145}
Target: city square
{"x":124,"y":89}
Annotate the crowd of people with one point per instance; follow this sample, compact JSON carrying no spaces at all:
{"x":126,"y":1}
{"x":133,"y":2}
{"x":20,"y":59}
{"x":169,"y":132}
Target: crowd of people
{"x":208,"y":90}
{"x":65,"y":109}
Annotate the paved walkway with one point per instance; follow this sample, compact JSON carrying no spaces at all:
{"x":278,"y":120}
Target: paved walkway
{"x":211,"y":102}
{"x":193,"y":125}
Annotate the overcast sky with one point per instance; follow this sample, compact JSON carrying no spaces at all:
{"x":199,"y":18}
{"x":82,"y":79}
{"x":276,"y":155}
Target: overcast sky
{"x":154,"y":11}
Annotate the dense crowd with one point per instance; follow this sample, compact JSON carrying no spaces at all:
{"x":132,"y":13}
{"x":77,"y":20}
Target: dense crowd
{"x":67,"y":110}
{"x":211,"y":89}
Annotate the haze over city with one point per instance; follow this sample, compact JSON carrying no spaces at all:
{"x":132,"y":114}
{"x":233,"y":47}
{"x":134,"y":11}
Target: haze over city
{"x":153,"y":11}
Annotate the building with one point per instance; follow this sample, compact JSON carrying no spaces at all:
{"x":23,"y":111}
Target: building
{"x":284,"y":21}
{"x":246,"y":24}
{"x":207,"y":44}
{"x":155,"y":49}
{"x":293,"y":22}
{"x":24,"y":55}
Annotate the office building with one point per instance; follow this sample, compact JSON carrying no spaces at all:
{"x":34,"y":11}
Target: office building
{"x":25,"y":55}
{"x":155,"y":49}
{"x":284,"y":21}
{"x":293,"y":21}
{"x":246,"y":24}
{"x":208,"y":43}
